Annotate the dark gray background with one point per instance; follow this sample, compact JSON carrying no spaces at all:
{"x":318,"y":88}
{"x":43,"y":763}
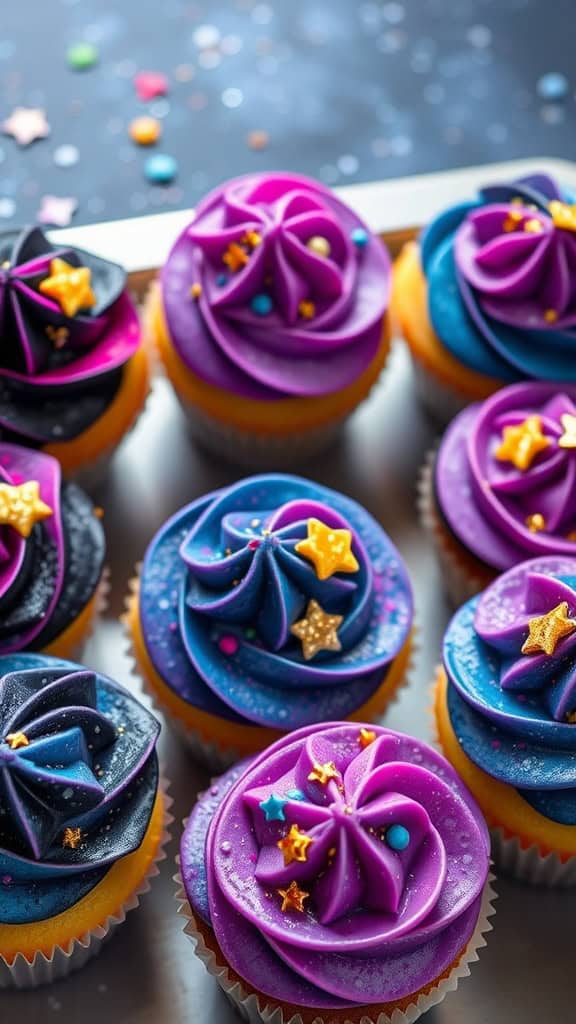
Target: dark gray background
{"x":347,"y":91}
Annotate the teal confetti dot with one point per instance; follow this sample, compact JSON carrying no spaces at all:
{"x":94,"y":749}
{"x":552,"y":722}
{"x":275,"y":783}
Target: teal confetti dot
{"x":553,"y":86}
{"x":160,"y":169}
{"x":261,"y":304}
{"x":295,"y":794}
{"x":221,"y":280}
{"x":397,"y":837}
{"x":82,"y":56}
{"x":360,"y":237}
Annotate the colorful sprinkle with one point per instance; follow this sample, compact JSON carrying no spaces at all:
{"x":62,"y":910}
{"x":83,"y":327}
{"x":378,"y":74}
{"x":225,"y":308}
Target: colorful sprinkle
{"x":319,"y":245}
{"x":293,"y":898}
{"x":360,"y":237}
{"x":306,"y":309}
{"x":228,"y":645}
{"x":261,"y":304}
{"x":82,"y":56}
{"x":295,"y":794}
{"x":195,"y":290}
{"x":149,"y":84}
{"x":552,"y":86}
{"x":257,"y":139}
{"x":397,"y":837}
{"x":160,"y":169}
{"x":145,"y":131}
{"x":273,"y":808}
{"x":221,"y":280}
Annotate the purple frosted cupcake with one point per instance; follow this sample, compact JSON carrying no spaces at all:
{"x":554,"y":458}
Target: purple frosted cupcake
{"x":341,"y":875}
{"x":270,"y":316}
{"x":502,"y":486}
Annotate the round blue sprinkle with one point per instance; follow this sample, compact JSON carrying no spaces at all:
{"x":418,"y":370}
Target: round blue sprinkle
{"x":360,"y":237}
{"x":160,"y":168}
{"x":295,"y":794}
{"x":553,"y":86}
{"x":261,"y":304}
{"x":221,"y":280}
{"x":397,"y":837}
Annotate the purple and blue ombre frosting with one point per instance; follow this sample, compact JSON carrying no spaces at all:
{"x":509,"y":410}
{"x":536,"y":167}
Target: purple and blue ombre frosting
{"x":48,"y":577}
{"x":58,"y":373}
{"x":248,"y":332}
{"x":390,"y":869}
{"x":222,"y":585}
{"x":490,"y":504}
{"x":501,"y":273}
{"x":512,"y":709}
{"x":78,"y":781}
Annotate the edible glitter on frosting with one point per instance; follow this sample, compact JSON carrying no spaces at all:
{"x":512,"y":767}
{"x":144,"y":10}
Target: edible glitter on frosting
{"x":290,"y":305}
{"x":393,"y":870}
{"x":78,"y":794}
{"x":508,"y":491}
{"x":501,"y":272}
{"x":224,"y":591}
{"x":509,"y":656}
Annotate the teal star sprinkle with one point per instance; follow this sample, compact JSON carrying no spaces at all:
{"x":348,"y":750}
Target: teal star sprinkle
{"x":273,"y":808}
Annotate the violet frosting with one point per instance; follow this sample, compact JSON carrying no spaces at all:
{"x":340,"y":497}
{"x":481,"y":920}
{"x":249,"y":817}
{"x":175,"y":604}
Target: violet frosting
{"x":501,"y":271}
{"x":378,"y":923}
{"x":88,"y":763}
{"x":47,"y":578}
{"x":222,"y":584}
{"x":510,"y":709}
{"x":485,"y":501}
{"x":41,"y":380}
{"x":281,"y":354}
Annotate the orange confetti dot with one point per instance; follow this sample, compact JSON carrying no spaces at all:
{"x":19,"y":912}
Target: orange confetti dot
{"x":145,"y":131}
{"x":258,"y":139}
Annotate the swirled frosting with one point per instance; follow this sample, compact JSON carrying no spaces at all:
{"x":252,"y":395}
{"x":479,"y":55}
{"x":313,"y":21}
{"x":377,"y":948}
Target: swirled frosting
{"x":509,"y":657}
{"x":78,"y":781}
{"x":289,"y":289}
{"x":52,"y":550}
{"x":275,"y":601}
{"x":501,"y":272}
{"x":343,"y":866}
{"x":67,"y":328}
{"x":505,"y":474}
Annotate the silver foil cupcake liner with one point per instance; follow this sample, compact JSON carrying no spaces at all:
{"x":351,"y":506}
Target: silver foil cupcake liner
{"x":529,"y":864}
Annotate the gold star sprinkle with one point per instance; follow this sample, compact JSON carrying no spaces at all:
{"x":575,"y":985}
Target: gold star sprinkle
{"x":535,"y":522}
{"x":57,"y":335}
{"x":513,"y":220}
{"x":69,"y":286}
{"x":15,"y":740}
{"x":22,"y":507}
{"x":366,"y":737}
{"x":328,"y":549}
{"x":317,"y":631}
{"x":235,"y":257}
{"x":307,"y":310}
{"x":563,"y":215}
{"x":571,"y":536}
{"x":195,"y":290}
{"x":532,"y":226}
{"x":550,"y":316}
{"x":252,"y":238}
{"x":293,"y":898}
{"x":520,"y":445}
{"x":72,"y":838}
{"x":294,"y":846}
{"x":568,"y":439}
{"x":547,"y":630}
{"x":323,"y":773}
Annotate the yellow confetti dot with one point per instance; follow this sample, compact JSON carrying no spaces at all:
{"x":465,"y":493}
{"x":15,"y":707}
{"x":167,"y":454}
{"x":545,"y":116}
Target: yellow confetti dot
{"x":145,"y":131}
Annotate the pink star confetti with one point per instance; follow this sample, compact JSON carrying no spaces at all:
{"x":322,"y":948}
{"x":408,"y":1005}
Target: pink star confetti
{"x":149,"y":84}
{"x":26,"y":124}
{"x":57,"y":210}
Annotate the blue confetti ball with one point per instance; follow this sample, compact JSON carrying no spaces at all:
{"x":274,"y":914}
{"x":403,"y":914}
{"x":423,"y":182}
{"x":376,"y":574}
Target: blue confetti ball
{"x":360,"y":237}
{"x":261,"y":304}
{"x":553,"y":86}
{"x":221,"y":280}
{"x":160,"y":168}
{"x":295,"y":794}
{"x":397,"y":837}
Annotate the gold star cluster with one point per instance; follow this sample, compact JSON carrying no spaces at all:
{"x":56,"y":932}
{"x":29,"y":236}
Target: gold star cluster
{"x":22,"y":507}
{"x":317,"y":631}
{"x":546,"y":631}
{"x":69,"y":286}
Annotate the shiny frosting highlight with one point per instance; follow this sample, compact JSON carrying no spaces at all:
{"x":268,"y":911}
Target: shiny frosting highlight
{"x":349,"y":915}
{"x":276,"y":289}
{"x":505,"y":474}
{"x":240,"y":618}
{"x":78,"y":778}
{"x":501,"y":272}
{"x":509,"y":656}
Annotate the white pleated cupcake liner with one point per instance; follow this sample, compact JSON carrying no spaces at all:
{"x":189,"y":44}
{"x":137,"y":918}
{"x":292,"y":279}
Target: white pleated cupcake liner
{"x":44,"y":969}
{"x":255,"y":1008}
{"x":459,"y":583}
{"x":210,"y":754}
{"x":529,"y":864}
{"x":441,"y":402}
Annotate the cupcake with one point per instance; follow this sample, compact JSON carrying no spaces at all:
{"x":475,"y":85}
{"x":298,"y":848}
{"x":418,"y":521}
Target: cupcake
{"x":269,"y":605}
{"x":501,"y":487}
{"x":270,"y":317}
{"x":341,"y":876}
{"x":487,"y":297}
{"x":505,"y":711}
{"x":83,"y":814}
{"x":73,"y":376}
{"x":52,"y":550}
